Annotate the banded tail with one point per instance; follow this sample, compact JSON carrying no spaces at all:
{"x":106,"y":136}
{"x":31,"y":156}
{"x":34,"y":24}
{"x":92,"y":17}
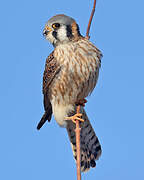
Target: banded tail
{"x":90,"y":146}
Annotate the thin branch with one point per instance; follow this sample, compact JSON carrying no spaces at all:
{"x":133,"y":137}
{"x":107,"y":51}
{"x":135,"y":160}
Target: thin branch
{"x":77,"y":131}
{"x":90,"y":20}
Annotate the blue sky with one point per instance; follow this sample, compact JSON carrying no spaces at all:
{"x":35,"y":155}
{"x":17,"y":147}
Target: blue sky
{"x":116,"y":107}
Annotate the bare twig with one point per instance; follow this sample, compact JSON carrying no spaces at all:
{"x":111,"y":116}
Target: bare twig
{"x":90,"y":20}
{"x":77,"y":131}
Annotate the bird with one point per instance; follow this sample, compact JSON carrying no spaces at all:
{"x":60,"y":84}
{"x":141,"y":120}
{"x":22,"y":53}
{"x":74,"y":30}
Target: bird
{"x":70,"y":75}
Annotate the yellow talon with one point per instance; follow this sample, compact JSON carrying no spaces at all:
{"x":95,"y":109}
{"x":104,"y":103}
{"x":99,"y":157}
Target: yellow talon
{"x":75,"y":117}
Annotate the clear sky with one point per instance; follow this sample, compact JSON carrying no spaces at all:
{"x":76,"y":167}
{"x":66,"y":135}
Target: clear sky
{"x":116,"y":107}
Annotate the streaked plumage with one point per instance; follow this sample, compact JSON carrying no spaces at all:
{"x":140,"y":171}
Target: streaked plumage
{"x":70,"y":75}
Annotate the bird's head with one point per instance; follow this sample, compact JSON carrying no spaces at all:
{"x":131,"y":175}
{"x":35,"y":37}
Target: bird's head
{"x":61,"y":29}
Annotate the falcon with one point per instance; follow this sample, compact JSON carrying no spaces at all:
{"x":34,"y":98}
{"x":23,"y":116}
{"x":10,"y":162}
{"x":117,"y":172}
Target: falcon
{"x":70,"y":75}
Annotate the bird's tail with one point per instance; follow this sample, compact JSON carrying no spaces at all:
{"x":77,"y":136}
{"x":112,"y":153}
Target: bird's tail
{"x":90,"y":146}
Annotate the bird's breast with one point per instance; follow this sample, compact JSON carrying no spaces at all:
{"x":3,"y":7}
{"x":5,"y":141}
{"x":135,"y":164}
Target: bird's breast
{"x":80,"y":64}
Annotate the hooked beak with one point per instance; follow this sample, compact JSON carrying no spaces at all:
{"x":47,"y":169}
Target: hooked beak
{"x":46,"y":31}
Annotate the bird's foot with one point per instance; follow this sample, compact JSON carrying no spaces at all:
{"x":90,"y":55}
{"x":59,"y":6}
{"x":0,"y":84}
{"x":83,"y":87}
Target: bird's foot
{"x":77,"y":116}
{"x":81,"y":102}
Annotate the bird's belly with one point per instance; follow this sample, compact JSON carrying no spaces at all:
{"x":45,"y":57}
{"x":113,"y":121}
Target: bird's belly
{"x":69,"y":87}
{"x":65,"y":94}
{"x":61,"y":111}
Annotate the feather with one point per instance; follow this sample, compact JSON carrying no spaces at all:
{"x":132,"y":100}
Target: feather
{"x":51,"y":70}
{"x":90,"y":146}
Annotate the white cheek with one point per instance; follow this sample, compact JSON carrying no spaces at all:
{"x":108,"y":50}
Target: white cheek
{"x":50,"y":38}
{"x":62,"y":35}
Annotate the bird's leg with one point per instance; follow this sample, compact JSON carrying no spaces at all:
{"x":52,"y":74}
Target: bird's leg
{"x":77,"y":116}
{"x":81,"y":102}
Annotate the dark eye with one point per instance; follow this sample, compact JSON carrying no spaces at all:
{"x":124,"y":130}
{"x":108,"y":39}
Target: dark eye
{"x":56,"y":25}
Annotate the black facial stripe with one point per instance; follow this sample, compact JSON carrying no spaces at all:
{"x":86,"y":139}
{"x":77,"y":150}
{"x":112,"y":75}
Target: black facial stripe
{"x":54,"y":33}
{"x":78,"y":30}
{"x":69,"y":31}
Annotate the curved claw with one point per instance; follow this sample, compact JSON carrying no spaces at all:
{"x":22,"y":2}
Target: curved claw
{"x":75,"y":117}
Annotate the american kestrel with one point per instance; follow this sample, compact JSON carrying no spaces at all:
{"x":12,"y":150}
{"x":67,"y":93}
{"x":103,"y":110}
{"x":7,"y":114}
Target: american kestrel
{"x":71,"y":73}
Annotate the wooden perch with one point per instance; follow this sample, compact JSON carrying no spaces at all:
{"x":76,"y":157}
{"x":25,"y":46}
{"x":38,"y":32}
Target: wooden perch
{"x":77,"y":130}
{"x":90,"y":20}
